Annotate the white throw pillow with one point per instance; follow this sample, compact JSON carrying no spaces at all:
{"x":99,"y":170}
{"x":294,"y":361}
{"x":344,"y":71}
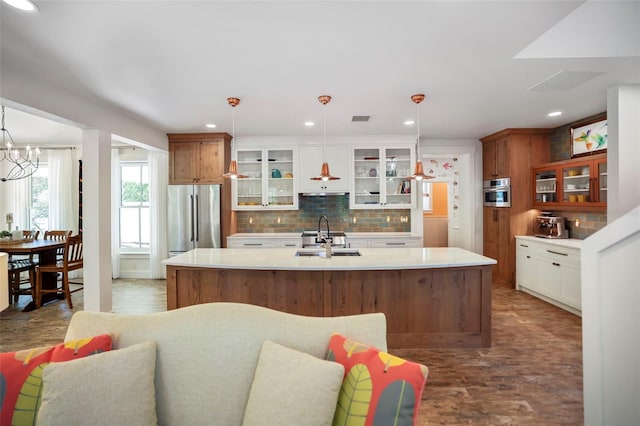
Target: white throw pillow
{"x":292,"y":388}
{"x":111,"y":388}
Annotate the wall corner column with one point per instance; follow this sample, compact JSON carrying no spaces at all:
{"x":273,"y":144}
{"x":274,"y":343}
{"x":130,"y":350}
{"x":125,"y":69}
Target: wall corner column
{"x":96,"y":177}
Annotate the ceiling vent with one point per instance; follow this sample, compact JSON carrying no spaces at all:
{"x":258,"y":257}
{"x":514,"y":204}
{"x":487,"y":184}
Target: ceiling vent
{"x":360,"y":118}
{"x":564,"y":80}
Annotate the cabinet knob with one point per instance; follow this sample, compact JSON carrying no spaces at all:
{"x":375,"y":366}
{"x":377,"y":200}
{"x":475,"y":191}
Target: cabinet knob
{"x":555,"y":264}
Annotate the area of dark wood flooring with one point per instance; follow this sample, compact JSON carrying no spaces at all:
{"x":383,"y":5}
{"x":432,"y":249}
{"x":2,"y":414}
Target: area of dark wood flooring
{"x":531,"y":375}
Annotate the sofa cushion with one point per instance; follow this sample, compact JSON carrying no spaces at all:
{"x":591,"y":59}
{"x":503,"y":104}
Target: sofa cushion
{"x":115,"y":386}
{"x":292,"y":388}
{"x":21,"y":375}
{"x":378,"y":388}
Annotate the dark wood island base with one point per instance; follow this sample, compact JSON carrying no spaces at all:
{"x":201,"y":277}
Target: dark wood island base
{"x":425,"y":308}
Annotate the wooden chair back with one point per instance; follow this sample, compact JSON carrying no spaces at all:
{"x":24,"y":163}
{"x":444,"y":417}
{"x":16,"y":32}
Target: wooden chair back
{"x":30,"y":234}
{"x":56,"y":235}
{"x":73,"y":253}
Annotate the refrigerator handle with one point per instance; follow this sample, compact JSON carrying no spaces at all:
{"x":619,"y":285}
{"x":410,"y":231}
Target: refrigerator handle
{"x":197,"y":221}
{"x":191,"y":207}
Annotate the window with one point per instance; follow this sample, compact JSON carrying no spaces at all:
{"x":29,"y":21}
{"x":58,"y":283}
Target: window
{"x":39,"y":211}
{"x":134,"y":205}
{"x":427,"y":197}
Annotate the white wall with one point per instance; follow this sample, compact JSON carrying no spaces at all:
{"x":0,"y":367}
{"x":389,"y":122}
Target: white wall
{"x":610,"y":283}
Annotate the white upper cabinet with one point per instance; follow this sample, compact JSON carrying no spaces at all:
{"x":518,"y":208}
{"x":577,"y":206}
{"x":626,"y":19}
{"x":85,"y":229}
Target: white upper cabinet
{"x":270,"y":183}
{"x":379,"y":178}
{"x":310,"y":159}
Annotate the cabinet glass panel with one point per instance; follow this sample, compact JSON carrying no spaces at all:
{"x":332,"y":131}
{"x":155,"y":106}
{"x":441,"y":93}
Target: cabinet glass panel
{"x":280,"y":178}
{"x":249,"y":190}
{"x":367,"y":176}
{"x":398,"y":167}
{"x":576,"y":181}
{"x":602,"y":182}
{"x":546,"y":186}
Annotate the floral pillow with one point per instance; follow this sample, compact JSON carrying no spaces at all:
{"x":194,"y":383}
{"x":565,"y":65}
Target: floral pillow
{"x":21,"y":375}
{"x":378,"y":388}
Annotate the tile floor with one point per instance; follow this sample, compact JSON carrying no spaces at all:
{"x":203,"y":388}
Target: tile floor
{"x":532,"y":374}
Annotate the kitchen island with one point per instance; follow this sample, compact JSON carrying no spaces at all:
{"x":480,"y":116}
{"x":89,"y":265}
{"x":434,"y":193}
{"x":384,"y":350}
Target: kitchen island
{"x":432,"y":297}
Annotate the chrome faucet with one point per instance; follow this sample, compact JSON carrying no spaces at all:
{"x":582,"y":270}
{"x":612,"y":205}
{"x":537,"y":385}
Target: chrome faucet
{"x":325,"y":240}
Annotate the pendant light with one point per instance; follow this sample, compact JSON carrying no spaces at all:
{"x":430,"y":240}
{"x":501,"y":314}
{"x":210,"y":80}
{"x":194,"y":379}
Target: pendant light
{"x":233,"y":165}
{"x":418,"y":173}
{"x":325,"y":175}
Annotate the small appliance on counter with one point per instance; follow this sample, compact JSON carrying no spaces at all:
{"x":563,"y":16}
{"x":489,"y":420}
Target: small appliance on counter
{"x":551,"y":226}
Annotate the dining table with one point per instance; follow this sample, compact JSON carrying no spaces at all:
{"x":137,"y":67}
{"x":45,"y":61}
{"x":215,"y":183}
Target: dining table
{"x":46,"y":251}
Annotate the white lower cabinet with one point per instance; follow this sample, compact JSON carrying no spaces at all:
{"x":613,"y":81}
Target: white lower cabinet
{"x":549,"y":271}
{"x":264,"y":242}
{"x":383,"y":241}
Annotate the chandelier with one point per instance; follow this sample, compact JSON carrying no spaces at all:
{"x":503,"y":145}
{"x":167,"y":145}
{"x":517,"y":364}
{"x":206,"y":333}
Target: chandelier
{"x":19,"y":163}
{"x":418,"y":174}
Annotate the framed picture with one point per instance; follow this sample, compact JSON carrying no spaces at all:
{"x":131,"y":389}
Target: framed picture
{"x":589,"y":139}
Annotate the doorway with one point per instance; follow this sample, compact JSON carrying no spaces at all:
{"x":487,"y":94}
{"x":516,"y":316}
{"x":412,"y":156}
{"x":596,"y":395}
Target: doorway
{"x":435,"y":214}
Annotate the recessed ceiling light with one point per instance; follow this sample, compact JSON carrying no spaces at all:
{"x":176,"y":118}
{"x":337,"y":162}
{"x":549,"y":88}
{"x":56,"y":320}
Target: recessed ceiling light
{"x":555,"y":113}
{"x":211,"y":125}
{"x":26,"y":5}
{"x":409,"y":123}
{"x":309,"y":123}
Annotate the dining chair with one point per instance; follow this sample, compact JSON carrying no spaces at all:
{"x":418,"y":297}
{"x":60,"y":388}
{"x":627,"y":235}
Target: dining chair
{"x":72,"y":259}
{"x":57,"y":235}
{"x":18,"y":264}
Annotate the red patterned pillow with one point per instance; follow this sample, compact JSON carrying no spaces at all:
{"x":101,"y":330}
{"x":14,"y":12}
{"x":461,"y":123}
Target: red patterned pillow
{"x":21,"y":375}
{"x":378,"y":388}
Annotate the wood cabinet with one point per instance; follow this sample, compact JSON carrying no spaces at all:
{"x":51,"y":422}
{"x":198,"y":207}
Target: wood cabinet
{"x":310,"y":159}
{"x":511,"y":153}
{"x":495,"y":158}
{"x":550,"y":271}
{"x":578,"y":184}
{"x":199,"y":158}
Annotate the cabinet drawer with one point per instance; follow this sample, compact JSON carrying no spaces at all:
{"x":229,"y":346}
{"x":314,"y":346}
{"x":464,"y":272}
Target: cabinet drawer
{"x":394,"y":243}
{"x":558,"y":254}
{"x":251,"y":243}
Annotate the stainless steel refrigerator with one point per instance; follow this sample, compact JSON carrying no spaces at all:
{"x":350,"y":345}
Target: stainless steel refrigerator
{"x":194,"y":217}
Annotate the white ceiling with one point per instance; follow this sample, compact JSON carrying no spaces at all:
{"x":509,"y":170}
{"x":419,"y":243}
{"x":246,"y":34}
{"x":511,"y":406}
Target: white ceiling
{"x":172,"y":64}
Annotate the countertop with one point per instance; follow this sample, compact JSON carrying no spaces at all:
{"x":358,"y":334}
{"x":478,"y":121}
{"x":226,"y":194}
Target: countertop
{"x":299,"y":234}
{"x":561,"y":242}
{"x":370,"y":259}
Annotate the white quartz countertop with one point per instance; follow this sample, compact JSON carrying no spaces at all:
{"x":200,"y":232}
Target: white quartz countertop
{"x":560,"y":242}
{"x":299,"y":234}
{"x":370,"y":259}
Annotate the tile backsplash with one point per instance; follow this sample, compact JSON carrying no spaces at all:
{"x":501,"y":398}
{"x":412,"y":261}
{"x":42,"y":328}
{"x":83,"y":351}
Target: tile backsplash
{"x":589,"y":222}
{"x":336,"y":207}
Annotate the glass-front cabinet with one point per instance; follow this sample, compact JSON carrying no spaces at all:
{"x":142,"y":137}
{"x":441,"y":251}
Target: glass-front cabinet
{"x":573,"y":183}
{"x":269,"y":183}
{"x":379,"y":178}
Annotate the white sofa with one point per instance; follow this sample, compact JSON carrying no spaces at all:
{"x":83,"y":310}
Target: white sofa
{"x":207,"y":354}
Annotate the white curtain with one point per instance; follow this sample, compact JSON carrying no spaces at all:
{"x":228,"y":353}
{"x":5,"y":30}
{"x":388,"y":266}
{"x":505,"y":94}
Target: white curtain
{"x":158,"y":181}
{"x":63,"y":189}
{"x":15,"y":199}
{"x":115,"y":213}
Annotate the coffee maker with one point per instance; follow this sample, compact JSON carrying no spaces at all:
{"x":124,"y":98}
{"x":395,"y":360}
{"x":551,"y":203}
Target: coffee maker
{"x":551,"y":227}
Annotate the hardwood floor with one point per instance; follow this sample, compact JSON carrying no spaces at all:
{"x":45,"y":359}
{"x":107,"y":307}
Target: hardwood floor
{"x":532,"y":374}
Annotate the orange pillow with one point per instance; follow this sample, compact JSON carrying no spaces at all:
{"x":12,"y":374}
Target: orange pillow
{"x":21,"y":375}
{"x":378,"y":388}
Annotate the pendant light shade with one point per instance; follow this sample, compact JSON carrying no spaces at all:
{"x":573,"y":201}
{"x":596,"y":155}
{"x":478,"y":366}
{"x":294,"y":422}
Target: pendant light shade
{"x":325,"y":174}
{"x":233,"y":165}
{"x":418,"y":173}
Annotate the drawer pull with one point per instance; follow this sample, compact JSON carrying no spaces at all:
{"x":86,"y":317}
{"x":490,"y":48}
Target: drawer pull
{"x":555,"y":264}
{"x":290,"y":245}
{"x":252,"y":244}
{"x":523,"y":245}
{"x":395,"y":244}
{"x":557,"y":252}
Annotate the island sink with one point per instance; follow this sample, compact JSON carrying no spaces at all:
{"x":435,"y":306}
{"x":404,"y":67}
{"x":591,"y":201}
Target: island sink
{"x":323,"y":253}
